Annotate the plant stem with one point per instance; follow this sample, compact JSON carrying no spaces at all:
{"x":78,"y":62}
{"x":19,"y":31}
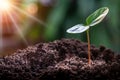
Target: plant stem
{"x":89,"y":55}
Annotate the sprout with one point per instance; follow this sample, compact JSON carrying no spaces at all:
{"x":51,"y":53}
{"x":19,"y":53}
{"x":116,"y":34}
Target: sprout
{"x":92,"y":20}
{"x":79,"y":28}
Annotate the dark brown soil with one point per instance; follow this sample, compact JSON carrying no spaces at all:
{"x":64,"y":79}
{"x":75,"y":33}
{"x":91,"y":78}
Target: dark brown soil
{"x":64,"y":59}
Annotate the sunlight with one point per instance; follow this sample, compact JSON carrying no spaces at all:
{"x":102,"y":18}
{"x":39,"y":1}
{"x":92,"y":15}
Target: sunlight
{"x":5,"y":5}
{"x":12,"y":14}
{"x":1,"y":43}
{"x":28,"y":15}
{"x":17,"y":27}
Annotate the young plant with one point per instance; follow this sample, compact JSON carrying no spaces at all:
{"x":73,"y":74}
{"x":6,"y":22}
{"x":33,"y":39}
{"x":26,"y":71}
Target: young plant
{"x":91,"y":20}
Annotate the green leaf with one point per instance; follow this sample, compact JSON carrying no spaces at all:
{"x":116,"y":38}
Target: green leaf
{"x":97,"y":16}
{"x":79,"y":28}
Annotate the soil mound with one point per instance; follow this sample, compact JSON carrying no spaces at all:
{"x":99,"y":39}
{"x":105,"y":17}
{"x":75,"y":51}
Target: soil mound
{"x":64,"y":59}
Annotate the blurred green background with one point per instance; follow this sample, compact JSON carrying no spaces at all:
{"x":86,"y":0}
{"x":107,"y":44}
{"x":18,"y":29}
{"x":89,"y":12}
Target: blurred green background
{"x":67,"y":13}
{"x":58,"y":15}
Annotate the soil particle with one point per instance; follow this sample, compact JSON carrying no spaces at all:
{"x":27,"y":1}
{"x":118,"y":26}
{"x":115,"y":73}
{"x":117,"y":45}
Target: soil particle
{"x":64,"y":59}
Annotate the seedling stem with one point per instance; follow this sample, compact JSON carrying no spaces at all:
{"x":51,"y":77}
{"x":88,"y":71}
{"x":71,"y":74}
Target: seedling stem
{"x":88,"y":39}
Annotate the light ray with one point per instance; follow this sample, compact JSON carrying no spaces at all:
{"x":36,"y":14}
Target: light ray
{"x":12,"y":11}
{"x":1,"y":41}
{"x":6,"y":22}
{"x":28,"y":15}
{"x":17,"y":16}
{"x":17,"y":27}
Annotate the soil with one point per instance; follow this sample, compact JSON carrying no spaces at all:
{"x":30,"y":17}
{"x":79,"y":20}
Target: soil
{"x":64,"y":59}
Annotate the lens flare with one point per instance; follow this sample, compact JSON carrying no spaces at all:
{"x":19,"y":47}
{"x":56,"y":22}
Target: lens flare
{"x":5,"y":5}
{"x":13,"y":24}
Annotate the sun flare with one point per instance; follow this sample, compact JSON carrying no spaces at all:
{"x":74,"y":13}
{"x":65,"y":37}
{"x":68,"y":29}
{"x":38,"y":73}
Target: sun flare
{"x":5,"y":5}
{"x":13,"y":14}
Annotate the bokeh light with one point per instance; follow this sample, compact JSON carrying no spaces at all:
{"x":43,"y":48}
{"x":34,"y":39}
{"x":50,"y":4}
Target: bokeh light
{"x":32,"y":8}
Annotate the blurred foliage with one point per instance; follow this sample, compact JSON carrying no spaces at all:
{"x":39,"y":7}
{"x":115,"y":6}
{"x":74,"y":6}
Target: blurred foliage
{"x":67,"y":13}
{"x":59,"y":15}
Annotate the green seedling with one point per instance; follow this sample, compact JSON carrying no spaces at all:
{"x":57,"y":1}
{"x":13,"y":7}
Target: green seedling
{"x":91,"y":20}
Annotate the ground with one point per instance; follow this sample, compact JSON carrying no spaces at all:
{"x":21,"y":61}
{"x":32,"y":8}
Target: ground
{"x":64,"y":59}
